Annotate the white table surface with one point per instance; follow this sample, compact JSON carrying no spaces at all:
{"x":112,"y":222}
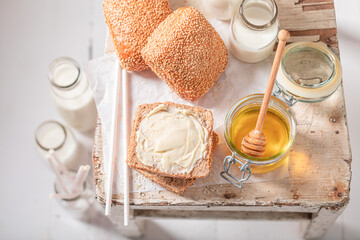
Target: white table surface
{"x":32,"y":34}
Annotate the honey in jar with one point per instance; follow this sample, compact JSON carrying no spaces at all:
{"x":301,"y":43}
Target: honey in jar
{"x":275,"y":128}
{"x":279,"y":129}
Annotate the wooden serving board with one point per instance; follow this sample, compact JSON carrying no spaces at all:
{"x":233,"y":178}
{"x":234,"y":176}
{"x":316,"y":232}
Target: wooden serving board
{"x":320,"y":160}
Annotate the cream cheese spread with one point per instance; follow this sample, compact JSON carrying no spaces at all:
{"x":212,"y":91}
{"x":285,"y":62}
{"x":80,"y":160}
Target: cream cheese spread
{"x":171,"y":139}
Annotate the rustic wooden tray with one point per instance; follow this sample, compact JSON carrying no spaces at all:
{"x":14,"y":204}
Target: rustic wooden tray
{"x":318,"y":185}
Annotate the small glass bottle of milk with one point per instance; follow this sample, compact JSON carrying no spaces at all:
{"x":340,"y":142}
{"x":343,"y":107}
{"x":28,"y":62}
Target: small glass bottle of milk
{"x":52,"y":135}
{"x":221,"y":9}
{"x":72,"y":94}
{"x":253,"y":30}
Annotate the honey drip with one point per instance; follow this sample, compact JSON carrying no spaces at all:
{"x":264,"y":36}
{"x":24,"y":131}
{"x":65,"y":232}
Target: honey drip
{"x":275,"y":129}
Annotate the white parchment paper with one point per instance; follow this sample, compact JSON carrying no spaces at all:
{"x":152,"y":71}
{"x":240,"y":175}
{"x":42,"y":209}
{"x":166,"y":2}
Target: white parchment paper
{"x":238,"y":80}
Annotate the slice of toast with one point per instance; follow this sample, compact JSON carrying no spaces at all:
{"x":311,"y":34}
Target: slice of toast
{"x":201,"y":168}
{"x":176,"y":185}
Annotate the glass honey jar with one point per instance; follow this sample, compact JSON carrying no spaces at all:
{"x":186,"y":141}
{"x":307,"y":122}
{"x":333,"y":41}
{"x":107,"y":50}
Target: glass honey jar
{"x":309,"y":72}
{"x":279,"y":129}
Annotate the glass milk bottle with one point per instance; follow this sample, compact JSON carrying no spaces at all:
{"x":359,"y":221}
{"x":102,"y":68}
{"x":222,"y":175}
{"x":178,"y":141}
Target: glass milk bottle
{"x":221,"y":9}
{"x":253,"y":30}
{"x":52,"y":135}
{"x":72,"y":94}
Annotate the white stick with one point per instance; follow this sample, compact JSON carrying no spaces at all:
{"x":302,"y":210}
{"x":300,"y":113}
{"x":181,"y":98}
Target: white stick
{"x":60,"y":164}
{"x":57,"y":172}
{"x":113,"y":143}
{"x":80,"y":178}
{"x":125,"y":139}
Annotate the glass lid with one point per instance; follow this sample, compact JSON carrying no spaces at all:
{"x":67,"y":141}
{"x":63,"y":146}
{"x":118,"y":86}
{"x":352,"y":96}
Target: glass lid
{"x":309,"y":72}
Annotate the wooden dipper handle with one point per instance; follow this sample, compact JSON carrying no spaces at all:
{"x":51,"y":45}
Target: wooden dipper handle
{"x":283,"y":36}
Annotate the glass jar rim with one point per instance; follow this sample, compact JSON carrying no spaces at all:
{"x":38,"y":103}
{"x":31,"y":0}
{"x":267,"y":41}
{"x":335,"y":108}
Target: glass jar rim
{"x":61,"y":144}
{"x":58,"y":61}
{"x":254,"y":26}
{"x":307,"y":47}
{"x":278,"y":105}
{"x":312,"y":93}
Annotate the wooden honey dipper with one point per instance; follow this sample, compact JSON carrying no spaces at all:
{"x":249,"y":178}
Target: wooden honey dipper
{"x":254,"y":144}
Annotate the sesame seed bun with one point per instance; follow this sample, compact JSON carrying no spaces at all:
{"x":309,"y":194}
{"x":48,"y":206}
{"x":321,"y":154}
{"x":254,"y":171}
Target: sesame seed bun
{"x":187,"y":53}
{"x":130,"y":23}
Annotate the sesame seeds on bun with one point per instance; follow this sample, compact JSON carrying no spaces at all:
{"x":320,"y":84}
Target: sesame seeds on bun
{"x":187,"y":53}
{"x":130,"y":23}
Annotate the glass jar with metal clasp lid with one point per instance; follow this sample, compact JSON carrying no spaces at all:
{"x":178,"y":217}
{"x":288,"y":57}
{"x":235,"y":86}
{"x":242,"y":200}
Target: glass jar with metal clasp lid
{"x":240,"y":120}
{"x":309,"y":72}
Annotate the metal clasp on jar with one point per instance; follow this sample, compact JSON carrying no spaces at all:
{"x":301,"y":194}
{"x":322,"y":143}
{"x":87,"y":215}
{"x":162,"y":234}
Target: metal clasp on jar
{"x":288,"y":99}
{"x":244,"y":168}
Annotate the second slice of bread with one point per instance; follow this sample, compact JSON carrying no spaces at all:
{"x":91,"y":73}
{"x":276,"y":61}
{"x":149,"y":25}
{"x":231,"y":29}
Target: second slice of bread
{"x":202,"y":167}
{"x":176,"y":185}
